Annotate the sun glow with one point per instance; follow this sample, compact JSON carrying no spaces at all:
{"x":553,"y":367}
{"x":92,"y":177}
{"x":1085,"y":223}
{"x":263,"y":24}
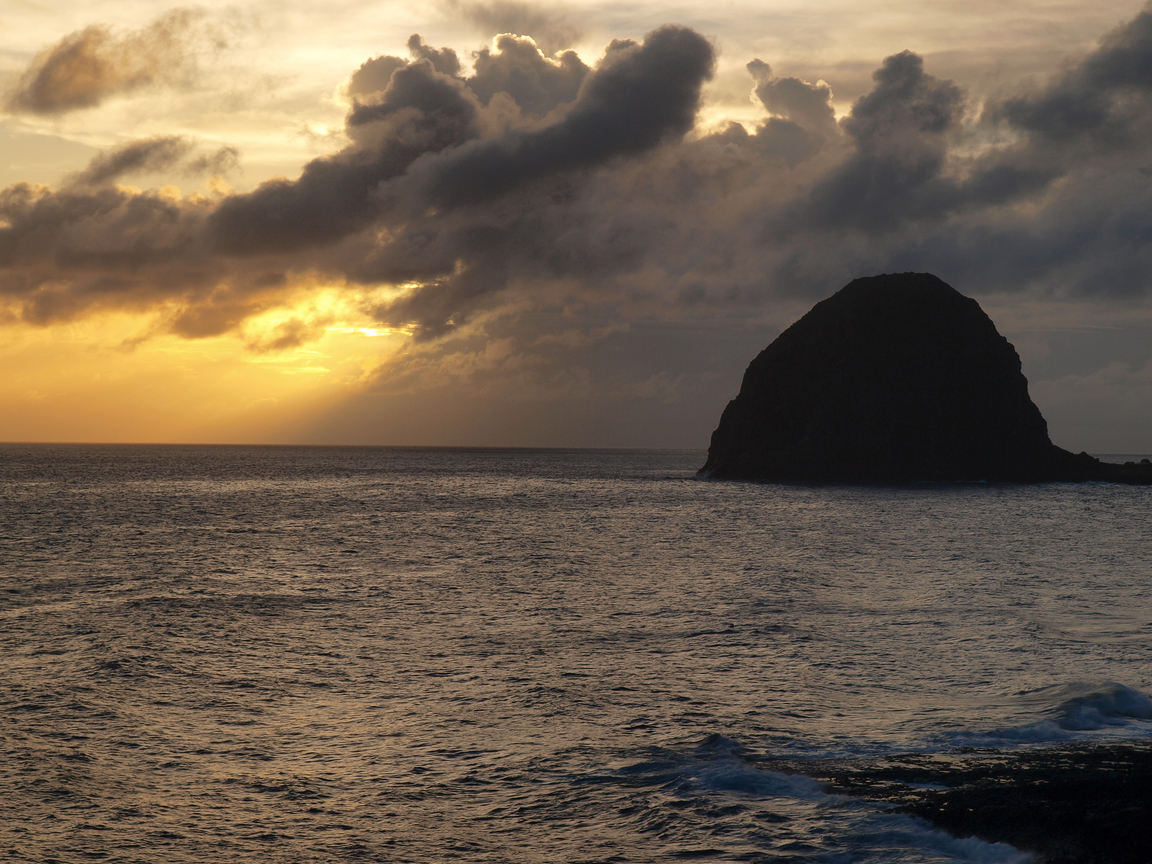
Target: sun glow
{"x":366,"y":331}
{"x":101,"y":380}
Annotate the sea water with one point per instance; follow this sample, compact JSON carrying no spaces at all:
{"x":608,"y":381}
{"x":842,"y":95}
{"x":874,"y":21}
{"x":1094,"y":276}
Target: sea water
{"x":339,"y":654}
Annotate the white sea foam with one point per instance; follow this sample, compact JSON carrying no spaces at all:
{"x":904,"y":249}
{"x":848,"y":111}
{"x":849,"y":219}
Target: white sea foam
{"x":1089,"y":707}
{"x":1071,"y":712}
{"x":736,"y":776}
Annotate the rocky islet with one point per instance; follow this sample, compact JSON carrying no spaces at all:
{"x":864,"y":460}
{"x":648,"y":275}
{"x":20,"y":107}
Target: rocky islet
{"x":895,"y":378}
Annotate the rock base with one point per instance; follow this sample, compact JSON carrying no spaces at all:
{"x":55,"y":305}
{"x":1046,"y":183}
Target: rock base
{"x":1076,"y":804}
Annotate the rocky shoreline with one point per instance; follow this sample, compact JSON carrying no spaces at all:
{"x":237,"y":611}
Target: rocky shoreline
{"x":1067,"y":804}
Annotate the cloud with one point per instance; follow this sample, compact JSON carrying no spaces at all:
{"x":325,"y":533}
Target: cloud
{"x":419,"y":147}
{"x":421,"y":111}
{"x":802,"y":120}
{"x":899,"y":133}
{"x":549,"y":27}
{"x":1105,"y":96}
{"x":224,"y":160}
{"x":89,"y":246}
{"x":639,"y":96}
{"x":535,"y":83}
{"x":92,"y":65}
{"x":443,"y":60}
{"x":1111,"y":405}
{"x":509,"y":200}
{"x":77,"y":250}
{"x":291,"y":333}
{"x":807,"y":105}
{"x":373,"y":75}
{"x":153,"y":155}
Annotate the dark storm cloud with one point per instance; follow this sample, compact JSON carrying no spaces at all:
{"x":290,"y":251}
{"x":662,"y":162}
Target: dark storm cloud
{"x":782,"y":139}
{"x":904,"y":102}
{"x":1106,"y":95}
{"x":74,"y":226}
{"x":416,"y":145}
{"x":640,"y":96}
{"x":68,"y":252}
{"x":1080,"y":171}
{"x":898,"y":130}
{"x":87,"y":67}
{"x":443,"y":104}
{"x":421,"y":111}
{"x":533,"y":183}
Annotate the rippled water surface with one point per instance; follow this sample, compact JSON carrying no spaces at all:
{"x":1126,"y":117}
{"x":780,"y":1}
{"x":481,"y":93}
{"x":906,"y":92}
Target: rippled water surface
{"x":322,"y":655}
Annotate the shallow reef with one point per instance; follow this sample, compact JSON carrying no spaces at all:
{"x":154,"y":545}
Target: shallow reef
{"x":1069,"y":804}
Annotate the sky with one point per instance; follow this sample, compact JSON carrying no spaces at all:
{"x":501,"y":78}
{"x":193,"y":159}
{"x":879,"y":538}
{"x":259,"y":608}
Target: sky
{"x":492,"y":223}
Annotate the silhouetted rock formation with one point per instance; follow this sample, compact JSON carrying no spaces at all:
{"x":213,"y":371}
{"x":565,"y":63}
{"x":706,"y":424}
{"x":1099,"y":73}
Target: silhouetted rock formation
{"x":895,"y":378}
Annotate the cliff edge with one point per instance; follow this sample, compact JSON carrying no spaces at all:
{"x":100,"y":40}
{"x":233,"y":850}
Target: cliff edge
{"x":895,"y":378}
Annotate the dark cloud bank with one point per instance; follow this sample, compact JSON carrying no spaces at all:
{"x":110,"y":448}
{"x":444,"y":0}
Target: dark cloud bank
{"x":532,"y":199}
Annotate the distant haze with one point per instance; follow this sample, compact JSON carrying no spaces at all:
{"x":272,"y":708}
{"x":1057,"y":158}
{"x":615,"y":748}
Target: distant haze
{"x":506,"y":224}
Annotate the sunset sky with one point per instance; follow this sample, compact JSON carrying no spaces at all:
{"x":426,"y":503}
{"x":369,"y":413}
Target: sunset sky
{"x":493,"y":223}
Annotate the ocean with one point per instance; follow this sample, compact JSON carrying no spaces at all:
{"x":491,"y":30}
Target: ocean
{"x":277,"y":654}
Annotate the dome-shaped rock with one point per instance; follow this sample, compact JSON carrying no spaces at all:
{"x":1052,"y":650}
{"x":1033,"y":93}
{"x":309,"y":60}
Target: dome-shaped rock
{"x":894,"y":378}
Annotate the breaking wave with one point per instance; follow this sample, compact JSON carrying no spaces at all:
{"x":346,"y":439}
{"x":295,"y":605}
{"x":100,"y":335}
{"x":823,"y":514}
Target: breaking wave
{"x":712,"y":792}
{"x":1070,"y":712}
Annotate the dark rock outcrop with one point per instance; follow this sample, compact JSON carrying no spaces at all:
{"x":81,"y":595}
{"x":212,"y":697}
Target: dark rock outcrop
{"x":895,"y":378}
{"x":1072,"y":804}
